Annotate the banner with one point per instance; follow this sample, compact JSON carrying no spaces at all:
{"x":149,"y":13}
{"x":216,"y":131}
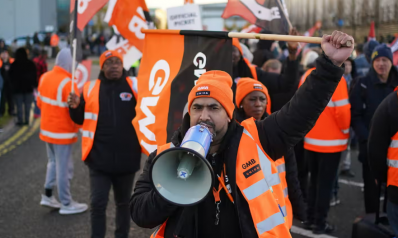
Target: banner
{"x":86,"y":10}
{"x":186,"y":17}
{"x":267,"y":15}
{"x":129,"y":17}
{"x":169,"y":68}
{"x":83,"y":74}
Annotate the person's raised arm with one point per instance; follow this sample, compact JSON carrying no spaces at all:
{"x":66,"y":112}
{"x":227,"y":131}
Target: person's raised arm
{"x":285,"y":128}
{"x":284,"y":82}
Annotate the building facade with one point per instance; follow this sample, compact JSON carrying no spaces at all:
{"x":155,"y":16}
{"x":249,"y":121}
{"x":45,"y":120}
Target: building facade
{"x":24,"y":17}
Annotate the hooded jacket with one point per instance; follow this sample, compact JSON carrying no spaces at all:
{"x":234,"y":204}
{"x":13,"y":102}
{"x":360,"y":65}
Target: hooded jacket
{"x":22,"y":74}
{"x":278,"y":133}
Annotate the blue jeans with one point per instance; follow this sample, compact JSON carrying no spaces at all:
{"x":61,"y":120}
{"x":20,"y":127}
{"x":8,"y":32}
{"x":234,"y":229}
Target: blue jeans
{"x":59,"y":170}
{"x":24,"y":104}
{"x":392,"y":213}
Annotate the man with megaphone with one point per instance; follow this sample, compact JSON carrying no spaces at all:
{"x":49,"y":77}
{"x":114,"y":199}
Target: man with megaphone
{"x":216,"y":178}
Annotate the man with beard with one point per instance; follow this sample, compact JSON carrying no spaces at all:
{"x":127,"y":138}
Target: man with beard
{"x":253,"y":209}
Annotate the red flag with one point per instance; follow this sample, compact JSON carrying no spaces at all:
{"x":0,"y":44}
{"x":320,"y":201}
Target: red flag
{"x":372,"y":34}
{"x":188,"y":1}
{"x":394,"y":49}
{"x":86,"y":10}
{"x":264,"y":13}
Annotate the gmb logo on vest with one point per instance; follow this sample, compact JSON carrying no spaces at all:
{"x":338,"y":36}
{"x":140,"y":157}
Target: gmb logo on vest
{"x":252,"y":170}
{"x":126,"y":96}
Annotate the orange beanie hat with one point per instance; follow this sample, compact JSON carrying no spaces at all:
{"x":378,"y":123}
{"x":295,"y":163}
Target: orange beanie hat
{"x":214,"y":84}
{"x":248,"y":85}
{"x":108,"y":54}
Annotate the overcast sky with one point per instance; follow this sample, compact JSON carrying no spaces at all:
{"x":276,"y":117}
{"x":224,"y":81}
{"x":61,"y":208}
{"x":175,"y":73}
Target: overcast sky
{"x":174,"y":3}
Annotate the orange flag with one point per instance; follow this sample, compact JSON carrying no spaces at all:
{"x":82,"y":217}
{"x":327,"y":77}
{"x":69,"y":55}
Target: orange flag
{"x":129,"y":17}
{"x":188,"y":1}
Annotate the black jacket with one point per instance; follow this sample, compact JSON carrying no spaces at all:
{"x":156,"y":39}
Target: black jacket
{"x":278,"y":133}
{"x":116,"y":149}
{"x":384,"y":126}
{"x":275,"y":83}
{"x":22,"y":73}
{"x":365,"y":97}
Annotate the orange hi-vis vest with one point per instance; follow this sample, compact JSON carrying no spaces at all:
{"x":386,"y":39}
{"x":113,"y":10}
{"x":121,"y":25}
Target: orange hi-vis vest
{"x":56,"y":126}
{"x":280,"y":165}
{"x":91,"y":111}
{"x":11,"y":61}
{"x":259,"y":183}
{"x":331,"y":131}
{"x":392,"y":162}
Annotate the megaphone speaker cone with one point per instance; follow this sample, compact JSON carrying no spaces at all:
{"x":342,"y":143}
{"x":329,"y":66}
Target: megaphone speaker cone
{"x":181,"y":176}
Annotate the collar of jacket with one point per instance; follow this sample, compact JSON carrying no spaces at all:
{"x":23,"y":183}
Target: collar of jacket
{"x":61,"y":70}
{"x":102,"y":77}
{"x":392,"y":77}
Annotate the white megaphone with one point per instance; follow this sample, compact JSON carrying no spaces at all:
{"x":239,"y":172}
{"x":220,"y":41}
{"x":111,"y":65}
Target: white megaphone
{"x":182,"y":175}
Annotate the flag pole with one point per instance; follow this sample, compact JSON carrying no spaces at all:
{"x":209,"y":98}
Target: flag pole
{"x":74,"y":45}
{"x":285,"y":14}
{"x":274,"y":37}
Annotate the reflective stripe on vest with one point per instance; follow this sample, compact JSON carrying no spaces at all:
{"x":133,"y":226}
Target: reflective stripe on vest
{"x":325,"y":142}
{"x":260,"y":185}
{"x":88,"y":134}
{"x":58,"y":101}
{"x":90,"y":116}
{"x":392,"y":162}
{"x":58,"y":135}
{"x":338,"y":103}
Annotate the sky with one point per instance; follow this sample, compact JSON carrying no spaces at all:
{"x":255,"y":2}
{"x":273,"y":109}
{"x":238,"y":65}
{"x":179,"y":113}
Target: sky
{"x":174,"y":3}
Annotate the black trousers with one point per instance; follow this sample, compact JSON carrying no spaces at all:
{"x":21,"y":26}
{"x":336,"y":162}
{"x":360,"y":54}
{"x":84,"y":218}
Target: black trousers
{"x":370,"y":188}
{"x":7,"y":97}
{"x":302,"y":168}
{"x":100,"y":184}
{"x":323,"y":168}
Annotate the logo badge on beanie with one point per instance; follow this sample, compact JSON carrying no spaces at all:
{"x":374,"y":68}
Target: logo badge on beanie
{"x":203,"y":93}
{"x":375,"y":54}
{"x":107,"y":54}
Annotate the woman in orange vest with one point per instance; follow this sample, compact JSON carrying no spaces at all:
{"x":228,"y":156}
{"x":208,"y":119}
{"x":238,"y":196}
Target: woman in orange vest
{"x":252,"y":100}
{"x":242,"y":152}
{"x":383,"y":152}
{"x":323,"y":146}
{"x":275,"y":83}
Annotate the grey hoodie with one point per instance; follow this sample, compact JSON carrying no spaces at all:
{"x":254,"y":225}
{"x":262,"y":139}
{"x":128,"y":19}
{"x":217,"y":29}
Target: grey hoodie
{"x":64,"y":60}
